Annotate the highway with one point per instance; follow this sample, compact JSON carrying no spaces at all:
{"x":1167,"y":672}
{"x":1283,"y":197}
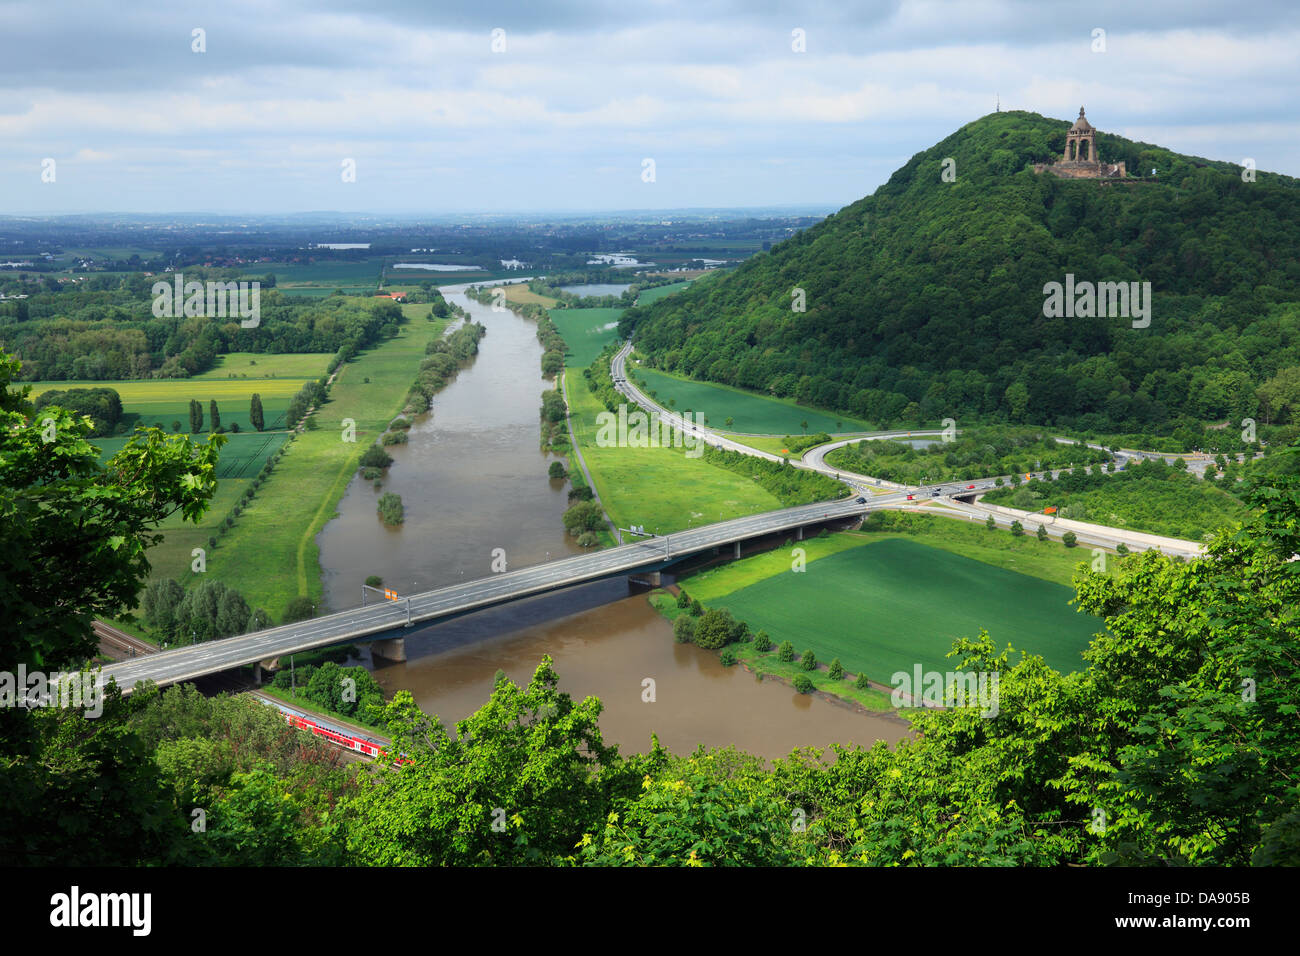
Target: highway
{"x":906,"y":497}
{"x":390,"y":617}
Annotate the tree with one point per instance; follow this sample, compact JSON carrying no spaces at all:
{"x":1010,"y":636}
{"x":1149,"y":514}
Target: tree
{"x":990,"y":523}
{"x":557,"y":470}
{"x":803,"y":683}
{"x":836,"y":671}
{"x":809,"y":660}
{"x":215,"y":416}
{"x":255,"y":416}
{"x":786,"y":653}
{"x":862,"y":682}
{"x":375,"y":457}
{"x":762,"y":642}
{"x":583,"y":516}
{"x":1042,"y":532}
{"x":697,"y":609}
{"x":714,"y":629}
{"x":729,"y":421}
{"x":374,"y":581}
{"x":196,"y":417}
{"x":520,"y":781}
{"x":73,"y":535}
{"x":1017,"y":528}
{"x":684,"y":629}
{"x":1068,"y":539}
{"x":683,"y":599}
{"x":298,"y":609}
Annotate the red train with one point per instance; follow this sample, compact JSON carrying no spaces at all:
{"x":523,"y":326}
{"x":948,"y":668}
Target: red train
{"x":357,"y":744}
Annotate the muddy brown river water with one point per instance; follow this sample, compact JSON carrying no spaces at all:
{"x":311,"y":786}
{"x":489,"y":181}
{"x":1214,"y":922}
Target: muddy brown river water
{"x":472,"y":480}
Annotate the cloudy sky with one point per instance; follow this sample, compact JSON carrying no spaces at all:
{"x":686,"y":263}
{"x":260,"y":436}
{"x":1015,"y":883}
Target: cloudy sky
{"x":560,"y":109}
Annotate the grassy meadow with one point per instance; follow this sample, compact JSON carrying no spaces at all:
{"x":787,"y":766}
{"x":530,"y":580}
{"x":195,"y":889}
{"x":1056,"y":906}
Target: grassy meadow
{"x":749,"y":411}
{"x":659,"y":488}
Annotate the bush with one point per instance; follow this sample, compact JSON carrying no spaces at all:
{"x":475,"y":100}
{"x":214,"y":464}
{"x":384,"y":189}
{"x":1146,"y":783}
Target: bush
{"x":683,"y":599}
{"x":1017,"y":529}
{"x":862,"y":683}
{"x":1042,"y":532}
{"x":372,"y":474}
{"x":728,"y":658}
{"x":762,"y":642}
{"x":786,"y":653}
{"x":837,"y":670}
{"x":1121,"y":548}
{"x":803,"y":683}
{"x":375,"y":457}
{"x":684,"y":629}
{"x":557,"y":470}
{"x":390,"y":509}
{"x":584,"y":516}
{"x":1069,"y":540}
{"x":809,"y":660}
{"x":714,"y":629}
{"x":374,"y":581}
{"x":580,"y":493}
{"x":394,"y":438}
{"x":697,"y":609}
{"x":588,"y":539}
{"x":990,"y":523}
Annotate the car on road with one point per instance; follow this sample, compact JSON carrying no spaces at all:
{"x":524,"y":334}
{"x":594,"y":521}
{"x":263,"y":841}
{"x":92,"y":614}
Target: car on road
{"x":860,"y":500}
{"x":910,"y":497}
{"x":935,"y":494}
{"x":969,"y":487}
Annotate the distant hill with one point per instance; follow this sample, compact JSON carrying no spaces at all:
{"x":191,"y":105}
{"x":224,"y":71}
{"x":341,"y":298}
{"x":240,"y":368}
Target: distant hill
{"x":925,"y":300}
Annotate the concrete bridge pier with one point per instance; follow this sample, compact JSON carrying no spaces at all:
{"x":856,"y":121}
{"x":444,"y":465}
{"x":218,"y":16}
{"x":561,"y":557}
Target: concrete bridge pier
{"x":649,"y":579}
{"x":798,"y":534}
{"x":737,"y":555}
{"x":257,"y":674}
{"x":393,"y":649}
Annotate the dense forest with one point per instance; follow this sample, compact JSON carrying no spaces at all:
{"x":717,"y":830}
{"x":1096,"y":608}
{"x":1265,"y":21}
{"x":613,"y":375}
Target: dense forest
{"x":926,"y":299}
{"x":106,"y":330}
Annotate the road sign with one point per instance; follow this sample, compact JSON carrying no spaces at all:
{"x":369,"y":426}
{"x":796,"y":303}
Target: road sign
{"x":390,"y":594}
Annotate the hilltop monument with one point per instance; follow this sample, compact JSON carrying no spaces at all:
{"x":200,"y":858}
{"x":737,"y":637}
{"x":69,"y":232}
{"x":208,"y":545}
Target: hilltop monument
{"x":1080,"y":160}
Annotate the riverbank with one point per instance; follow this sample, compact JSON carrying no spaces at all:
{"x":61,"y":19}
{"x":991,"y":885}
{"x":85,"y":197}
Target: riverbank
{"x":271,"y":555}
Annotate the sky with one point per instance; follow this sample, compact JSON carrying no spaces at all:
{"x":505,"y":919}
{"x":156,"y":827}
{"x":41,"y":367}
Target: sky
{"x":495,"y":106}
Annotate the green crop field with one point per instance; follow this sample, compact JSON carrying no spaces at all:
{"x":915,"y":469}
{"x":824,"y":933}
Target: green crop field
{"x":159,"y":402}
{"x":323,"y":275}
{"x":759,"y":414}
{"x":890,"y":604}
{"x":659,"y":291}
{"x":586,"y":332}
{"x":659,"y":488}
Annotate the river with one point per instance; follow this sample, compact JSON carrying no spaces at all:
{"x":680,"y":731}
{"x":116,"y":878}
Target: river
{"x":473,"y":479}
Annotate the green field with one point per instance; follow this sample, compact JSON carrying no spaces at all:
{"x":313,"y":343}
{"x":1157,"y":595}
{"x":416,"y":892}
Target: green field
{"x":659,"y":291}
{"x":586,"y":332}
{"x":242,"y":456}
{"x":891,"y":604}
{"x":759,"y":414}
{"x":659,"y":488}
{"x":325,"y":276}
{"x":158,"y":402}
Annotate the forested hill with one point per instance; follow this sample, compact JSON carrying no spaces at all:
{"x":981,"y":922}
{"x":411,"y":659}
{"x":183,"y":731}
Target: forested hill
{"x":925,"y":300}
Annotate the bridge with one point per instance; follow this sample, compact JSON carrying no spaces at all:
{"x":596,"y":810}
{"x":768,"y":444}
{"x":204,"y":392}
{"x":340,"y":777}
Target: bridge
{"x":389,"y":620}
